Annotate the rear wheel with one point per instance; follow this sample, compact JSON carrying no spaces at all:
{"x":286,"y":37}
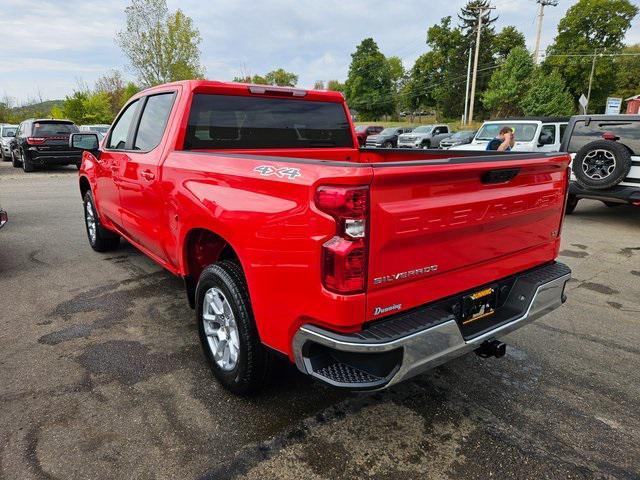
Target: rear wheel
{"x":387,"y":145}
{"x":14,"y":160}
{"x":5,"y":158}
{"x":100,"y":239}
{"x":426,"y":145}
{"x":27,"y":165}
{"x":572,"y":203}
{"x":228,"y":333}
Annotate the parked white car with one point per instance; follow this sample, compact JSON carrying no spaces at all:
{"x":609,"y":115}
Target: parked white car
{"x":532,"y":135}
{"x":101,"y":129}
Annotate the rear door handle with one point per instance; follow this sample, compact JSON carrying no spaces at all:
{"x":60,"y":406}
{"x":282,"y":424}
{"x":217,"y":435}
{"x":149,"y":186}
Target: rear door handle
{"x":148,"y":175}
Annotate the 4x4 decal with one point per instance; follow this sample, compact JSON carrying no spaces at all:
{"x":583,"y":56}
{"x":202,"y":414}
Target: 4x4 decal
{"x":280,"y":172}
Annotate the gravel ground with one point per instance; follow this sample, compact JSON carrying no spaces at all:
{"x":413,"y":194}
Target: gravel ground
{"x":101,"y":374}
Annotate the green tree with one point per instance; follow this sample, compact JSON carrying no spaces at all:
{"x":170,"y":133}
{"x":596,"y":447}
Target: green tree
{"x":508,"y":39}
{"x":335,"y":86}
{"x":509,"y":84}
{"x":97,"y":108}
{"x":161,"y":47}
{"x":73,"y":106}
{"x":369,"y":85}
{"x":628,"y":72}
{"x":468,"y":17}
{"x":282,"y":78}
{"x":418,"y":90}
{"x":319,"y":85}
{"x":590,"y":26}
{"x":547,"y":95}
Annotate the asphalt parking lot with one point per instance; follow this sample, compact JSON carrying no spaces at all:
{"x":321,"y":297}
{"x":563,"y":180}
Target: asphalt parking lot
{"x":101,"y":374}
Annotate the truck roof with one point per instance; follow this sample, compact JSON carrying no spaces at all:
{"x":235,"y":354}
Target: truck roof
{"x":231,"y":88}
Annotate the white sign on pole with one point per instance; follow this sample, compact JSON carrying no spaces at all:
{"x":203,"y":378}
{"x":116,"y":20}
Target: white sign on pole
{"x":614,"y":105}
{"x":583,"y":103}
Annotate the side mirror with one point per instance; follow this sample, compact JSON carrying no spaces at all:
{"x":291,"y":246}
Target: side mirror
{"x":545,"y":140}
{"x":84,"y":141}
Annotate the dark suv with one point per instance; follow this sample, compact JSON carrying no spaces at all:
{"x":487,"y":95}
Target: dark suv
{"x":387,"y":138}
{"x":39,"y":143}
{"x":606,"y":159}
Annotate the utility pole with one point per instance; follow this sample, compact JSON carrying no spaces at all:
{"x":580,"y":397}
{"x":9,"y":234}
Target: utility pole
{"x":542,"y":3}
{"x":593,"y":69}
{"x":481,"y":11}
{"x":465,"y":120}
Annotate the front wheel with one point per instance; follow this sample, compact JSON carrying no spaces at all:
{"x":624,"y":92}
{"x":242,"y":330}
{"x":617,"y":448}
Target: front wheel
{"x":100,"y":239}
{"x":387,"y":145}
{"x":227,"y":329}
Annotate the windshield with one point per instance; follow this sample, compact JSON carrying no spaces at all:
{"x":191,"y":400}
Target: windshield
{"x":361,"y":128}
{"x":524,"y":132}
{"x":423,"y":129}
{"x":461,"y":135}
{"x":389,"y":131}
{"x":8,"y":131}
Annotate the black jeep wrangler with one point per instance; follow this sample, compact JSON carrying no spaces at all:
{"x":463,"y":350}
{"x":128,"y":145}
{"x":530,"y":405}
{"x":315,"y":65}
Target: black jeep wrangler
{"x":606,"y":159}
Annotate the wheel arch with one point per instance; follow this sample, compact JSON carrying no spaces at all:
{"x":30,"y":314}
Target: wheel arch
{"x":202,"y":247}
{"x":84,"y":185}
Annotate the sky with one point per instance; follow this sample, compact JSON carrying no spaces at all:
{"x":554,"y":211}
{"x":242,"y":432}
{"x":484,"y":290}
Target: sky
{"x":49,"y":47}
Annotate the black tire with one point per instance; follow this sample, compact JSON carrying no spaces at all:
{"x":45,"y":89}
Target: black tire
{"x":14,"y":160}
{"x":572,"y":203}
{"x":27,"y":166}
{"x":426,"y":145}
{"x":253,"y":366}
{"x":104,"y":240}
{"x":4,"y":157}
{"x":595,"y":160}
{"x":387,"y":145}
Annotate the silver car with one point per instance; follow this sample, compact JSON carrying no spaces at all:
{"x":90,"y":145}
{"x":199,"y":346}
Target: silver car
{"x":7,"y":134}
{"x":425,"y":136}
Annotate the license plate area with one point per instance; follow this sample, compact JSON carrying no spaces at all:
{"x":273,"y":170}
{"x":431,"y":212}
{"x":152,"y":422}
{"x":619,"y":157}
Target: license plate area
{"x":478,"y":305}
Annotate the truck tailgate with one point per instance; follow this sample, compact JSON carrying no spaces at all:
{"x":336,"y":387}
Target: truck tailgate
{"x":445,"y":226}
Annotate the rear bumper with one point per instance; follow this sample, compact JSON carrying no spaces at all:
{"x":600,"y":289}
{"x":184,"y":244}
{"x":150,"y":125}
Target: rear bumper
{"x":60,"y":157}
{"x":617,"y":194}
{"x":399,"y":347}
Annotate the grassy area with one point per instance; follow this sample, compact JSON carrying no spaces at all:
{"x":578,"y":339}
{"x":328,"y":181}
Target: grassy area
{"x":454,"y":125}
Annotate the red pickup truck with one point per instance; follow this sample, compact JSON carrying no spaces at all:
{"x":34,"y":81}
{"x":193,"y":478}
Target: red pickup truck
{"x":362,"y":266}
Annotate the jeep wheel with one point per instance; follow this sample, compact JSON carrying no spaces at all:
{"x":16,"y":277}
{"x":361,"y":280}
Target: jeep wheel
{"x":572,"y":203}
{"x":227,"y":329}
{"x":100,"y":239}
{"x":601,"y":164}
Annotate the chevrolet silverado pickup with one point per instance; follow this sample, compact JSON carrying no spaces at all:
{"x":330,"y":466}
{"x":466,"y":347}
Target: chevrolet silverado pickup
{"x":364,"y":267}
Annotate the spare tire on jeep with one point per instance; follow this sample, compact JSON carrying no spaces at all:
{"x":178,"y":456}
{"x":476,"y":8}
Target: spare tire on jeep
{"x":601,"y":164}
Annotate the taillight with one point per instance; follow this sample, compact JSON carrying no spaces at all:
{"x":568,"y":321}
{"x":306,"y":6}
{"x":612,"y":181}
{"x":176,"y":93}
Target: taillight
{"x":566,"y":198}
{"x":344,"y":257}
{"x":35,"y":140}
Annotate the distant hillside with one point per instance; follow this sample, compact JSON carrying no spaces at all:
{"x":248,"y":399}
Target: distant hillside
{"x":41,"y":109}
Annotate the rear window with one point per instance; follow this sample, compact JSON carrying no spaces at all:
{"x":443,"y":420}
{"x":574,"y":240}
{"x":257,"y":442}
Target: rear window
{"x":628,"y":131}
{"x":48,"y":129}
{"x":236,"y":122}
{"x":7,"y":131}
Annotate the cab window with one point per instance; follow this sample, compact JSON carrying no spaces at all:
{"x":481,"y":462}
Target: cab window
{"x":120,"y":130}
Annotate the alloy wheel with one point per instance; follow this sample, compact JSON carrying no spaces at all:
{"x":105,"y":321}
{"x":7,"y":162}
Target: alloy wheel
{"x":599,"y":164}
{"x":221,"y":329}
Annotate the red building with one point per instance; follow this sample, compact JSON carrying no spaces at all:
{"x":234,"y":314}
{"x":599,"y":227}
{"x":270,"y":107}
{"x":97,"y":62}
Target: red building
{"x":633,"y":104}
